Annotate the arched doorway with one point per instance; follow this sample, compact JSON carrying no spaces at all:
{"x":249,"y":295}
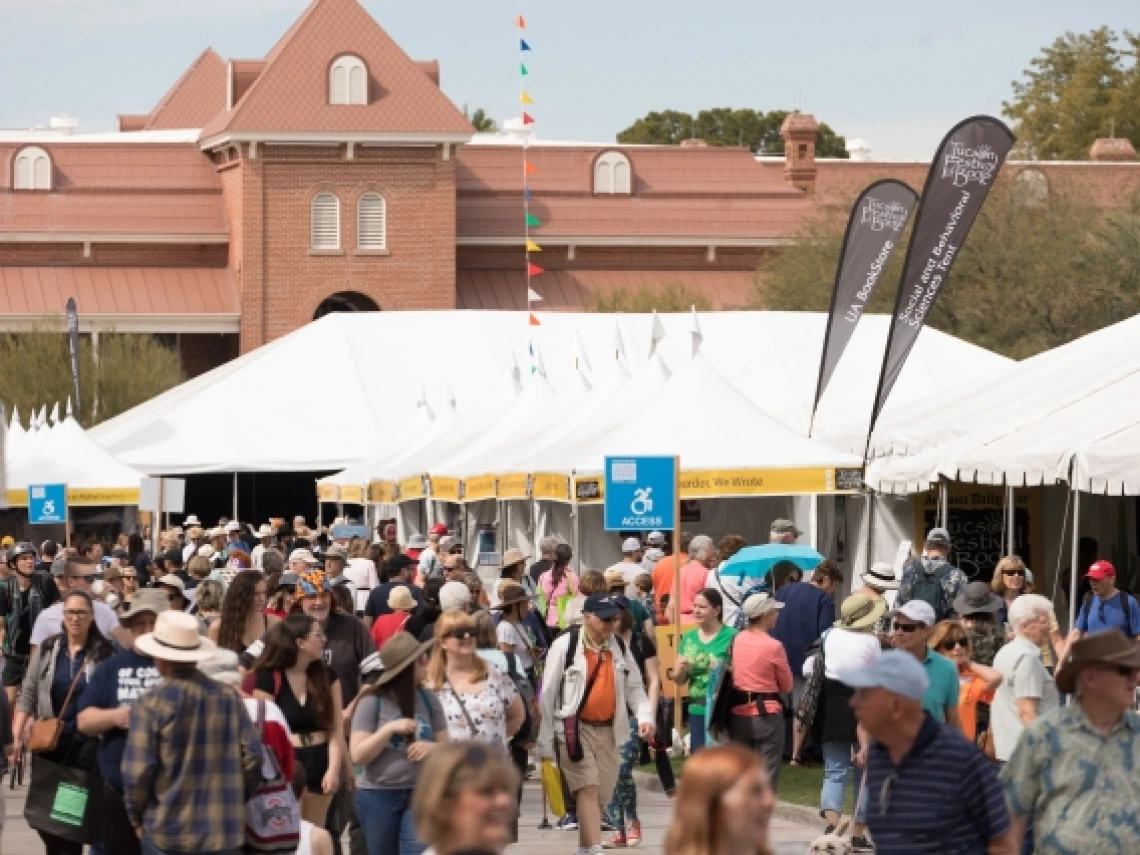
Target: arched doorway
{"x":345,"y":301}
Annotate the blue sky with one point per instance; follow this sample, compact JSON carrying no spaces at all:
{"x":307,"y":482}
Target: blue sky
{"x":895,"y":73}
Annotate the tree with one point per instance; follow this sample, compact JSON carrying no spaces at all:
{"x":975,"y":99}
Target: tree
{"x":35,"y":371}
{"x":482,"y":123}
{"x":670,"y":297}
{"x":1077,"y":89}
{"x":724,"y":126}
{"x":1033,"y":274}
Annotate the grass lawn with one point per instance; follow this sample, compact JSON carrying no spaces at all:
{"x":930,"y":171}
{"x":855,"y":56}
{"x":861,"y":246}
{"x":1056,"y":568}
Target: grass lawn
{"x":799,"y":785}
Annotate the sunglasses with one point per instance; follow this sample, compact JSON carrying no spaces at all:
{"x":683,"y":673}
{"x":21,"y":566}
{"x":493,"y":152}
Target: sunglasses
{"x":610,"y":619}
{"x":1123,"y":670}
{"x":89,"y":579}
{"x":77,"y":613}
{"x":907,"y":627}
{"x":461,"y":634}
{"x":1013,"y":572}
{"x":951,"y":643}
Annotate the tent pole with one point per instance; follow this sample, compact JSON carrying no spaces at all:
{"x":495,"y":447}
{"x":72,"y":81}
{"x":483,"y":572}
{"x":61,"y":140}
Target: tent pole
{"x":943,"y":503}
{"x":577,"y":550}
{"x":1076,"y":556}
{"x":1009,"y":524}
{"x":235,"y":515}
{"x":870,"y":533}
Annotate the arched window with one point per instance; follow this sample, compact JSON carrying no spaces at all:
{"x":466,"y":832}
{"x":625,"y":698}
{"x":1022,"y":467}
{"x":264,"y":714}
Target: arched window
{"x":326,"y":221}
{"x":612,"y":174}
{"x":371,"y":222}
{"x":348,"y":81}
{"x":33,"y":170}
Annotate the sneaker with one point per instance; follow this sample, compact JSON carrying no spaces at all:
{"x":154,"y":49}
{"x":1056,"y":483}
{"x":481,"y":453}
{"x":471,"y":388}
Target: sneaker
{"x":861,"y":844}
{"x":618,"y":841}
{"x":567,"y":823}
{"x":633,"y":832}
{"x":607,"y":822}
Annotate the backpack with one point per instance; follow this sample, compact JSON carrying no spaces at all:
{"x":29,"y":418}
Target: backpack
{"x":1126,"y":606}
{"x":272,"y":815}
{"x":928,"y":587}
{"x":527,"y":731}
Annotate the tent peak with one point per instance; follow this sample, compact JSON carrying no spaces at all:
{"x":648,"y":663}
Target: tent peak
{"x":656,"y":333}
{"x":695,"y":331}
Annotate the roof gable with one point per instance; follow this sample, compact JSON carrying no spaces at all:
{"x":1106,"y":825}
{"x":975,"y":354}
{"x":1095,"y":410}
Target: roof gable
{"x":292,"y":93}
{"x":196,"y":98}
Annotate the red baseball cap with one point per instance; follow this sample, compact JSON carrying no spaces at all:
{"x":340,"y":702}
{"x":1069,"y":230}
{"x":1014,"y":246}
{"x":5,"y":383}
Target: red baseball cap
{"x":438,"y":528}
{"x":1101,"y":570}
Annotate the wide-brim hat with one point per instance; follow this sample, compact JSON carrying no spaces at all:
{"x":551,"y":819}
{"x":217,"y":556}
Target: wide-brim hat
{"x":145,"y":600}
{"x":398,"y":652}
{"x":512,"y":556}
{"x":510,"y":595}
{"x":172,"y":581}
{"x":338,"y":552}
{"x":881,"y":576}
{"x":400,"y":599}
{"x":176,"y":639}
{"x":860,"y":612}
{"x":191,"y":520}
{"x":265,"y":530}
{"x":1110,"y":647}
{"x":977,"y":597}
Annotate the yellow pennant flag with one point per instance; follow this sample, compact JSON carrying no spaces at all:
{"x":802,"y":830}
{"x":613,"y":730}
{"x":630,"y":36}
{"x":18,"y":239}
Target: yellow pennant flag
{"x":531,"y":246}
{"x":526,"y":99}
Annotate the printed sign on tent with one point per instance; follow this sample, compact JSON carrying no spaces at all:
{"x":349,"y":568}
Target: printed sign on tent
{"x":640,"y":493}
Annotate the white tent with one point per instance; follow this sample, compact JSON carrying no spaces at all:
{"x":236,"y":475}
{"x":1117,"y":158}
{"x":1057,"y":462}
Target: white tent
{"x":68,"y":455}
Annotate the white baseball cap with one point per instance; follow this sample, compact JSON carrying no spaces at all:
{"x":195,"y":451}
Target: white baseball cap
{"x":918,"y":611}
{"x":630,"y":544}
{"x":233,"y":525}
{"x":655,"y":538}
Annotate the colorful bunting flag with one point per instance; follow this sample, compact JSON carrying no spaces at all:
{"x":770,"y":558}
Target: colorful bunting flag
{"x":522,"y":70}
{"x":533,"y":269}
{"x":532,"y":220}
{"x":523,"y":45}
{"x":520,"y":23}
{"x":531,"y":246}
{"x":527,"y":119}
{"x":529,"y":168}
{"x":534,"y":323}
{"x":526,"y":99}
{"x":526,"y":193}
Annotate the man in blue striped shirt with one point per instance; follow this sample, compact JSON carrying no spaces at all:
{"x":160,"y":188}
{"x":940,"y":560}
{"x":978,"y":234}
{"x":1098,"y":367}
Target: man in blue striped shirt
{"x":929,"y":791}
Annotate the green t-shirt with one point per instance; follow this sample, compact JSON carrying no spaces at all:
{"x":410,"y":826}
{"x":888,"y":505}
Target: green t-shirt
{"x":701,"y":655}
{"x":942,"y":693}
{"x":640,"y":615}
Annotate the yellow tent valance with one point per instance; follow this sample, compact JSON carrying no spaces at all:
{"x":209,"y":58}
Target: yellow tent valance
{"x":84,"y":497}
{"x":380,"y":492}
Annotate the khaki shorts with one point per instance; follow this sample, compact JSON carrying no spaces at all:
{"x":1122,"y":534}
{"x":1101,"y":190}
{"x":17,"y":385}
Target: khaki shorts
{"x":599,"y":764}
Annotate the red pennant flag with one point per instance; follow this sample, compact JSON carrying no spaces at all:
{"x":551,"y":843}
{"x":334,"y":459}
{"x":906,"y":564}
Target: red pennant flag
{"x":529,"y":168}
{"x":534,"y":321}
{"x":533,"y":269}
{"x":520,"y":23}
{"x":527,"y":120}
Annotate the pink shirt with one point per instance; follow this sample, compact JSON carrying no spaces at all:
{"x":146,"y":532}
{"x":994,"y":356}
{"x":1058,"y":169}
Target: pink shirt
{"x":568,"y":585}
{"x":759,"y":664}
{"x":693,"y":576}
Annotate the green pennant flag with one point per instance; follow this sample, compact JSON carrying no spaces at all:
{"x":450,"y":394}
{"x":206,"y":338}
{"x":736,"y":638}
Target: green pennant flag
{"x":523,"y":68}
{"x":532,"y":220}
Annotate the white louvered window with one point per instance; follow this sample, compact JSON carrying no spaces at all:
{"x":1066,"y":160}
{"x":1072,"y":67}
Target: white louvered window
{"x":32,"y":170}
{"x":612,"y":174}
{"x":371,"y":222}
{"x":326,"y":221}
{"x":348,"y":81}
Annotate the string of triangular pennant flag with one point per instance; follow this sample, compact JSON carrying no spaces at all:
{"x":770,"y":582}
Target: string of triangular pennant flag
{"x":530,"y":221}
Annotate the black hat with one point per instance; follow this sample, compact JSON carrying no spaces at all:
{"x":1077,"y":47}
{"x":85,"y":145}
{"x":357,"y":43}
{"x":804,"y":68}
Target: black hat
{"x":977,"y":597}
{"x":398,"y":562}
{"x":601,"y":605}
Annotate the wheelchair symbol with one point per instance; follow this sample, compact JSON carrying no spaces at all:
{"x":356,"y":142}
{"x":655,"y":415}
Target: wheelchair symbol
{"x":641,"y":504}
{"x":49,"y":507}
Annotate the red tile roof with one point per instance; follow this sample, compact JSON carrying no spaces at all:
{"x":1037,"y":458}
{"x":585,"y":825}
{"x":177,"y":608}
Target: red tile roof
{"x":197,"y":96}
{"x":574,"y":289}
{"x":117,"y":290}
{"x":291,"y":95}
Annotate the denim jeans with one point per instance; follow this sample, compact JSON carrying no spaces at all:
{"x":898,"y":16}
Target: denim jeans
{"x":386,"y":816}
{"x":696,"y":730}
{"x":837,"y":770}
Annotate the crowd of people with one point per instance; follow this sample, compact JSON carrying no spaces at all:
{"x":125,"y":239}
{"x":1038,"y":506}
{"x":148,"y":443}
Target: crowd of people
{"x":280,"y":686}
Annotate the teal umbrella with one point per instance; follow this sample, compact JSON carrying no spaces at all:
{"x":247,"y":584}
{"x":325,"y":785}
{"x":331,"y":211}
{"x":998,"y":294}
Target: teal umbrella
{"x":756,"y":562}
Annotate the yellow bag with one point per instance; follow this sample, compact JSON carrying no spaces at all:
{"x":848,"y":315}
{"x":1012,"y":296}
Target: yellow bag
{"x":552,"y":783}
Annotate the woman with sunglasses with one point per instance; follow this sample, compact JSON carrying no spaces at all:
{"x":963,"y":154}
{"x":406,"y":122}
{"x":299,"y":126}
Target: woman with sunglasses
{"x":291,"y":672}
{"x":57,"y":675}
{"x":479,"y":702}
{"x":396,"y":726}
{"x":464,"y":800}
{"x":1010,"y":581}
{"x":977,"y":682}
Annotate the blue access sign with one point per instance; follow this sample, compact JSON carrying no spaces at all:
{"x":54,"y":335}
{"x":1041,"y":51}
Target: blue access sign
{"x":640,"y":493}
{"x":47,"y":503}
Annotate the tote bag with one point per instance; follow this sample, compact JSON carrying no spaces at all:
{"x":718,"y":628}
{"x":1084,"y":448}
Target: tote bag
{"x":65,"y":801}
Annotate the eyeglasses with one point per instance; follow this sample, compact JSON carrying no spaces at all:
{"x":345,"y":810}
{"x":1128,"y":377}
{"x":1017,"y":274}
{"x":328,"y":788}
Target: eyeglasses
{"x":1014,"y":572}
{"x":461,"y":634}
{"x":77,"y":613}
{"x":951,"y":643}
{"x":907,"y":627}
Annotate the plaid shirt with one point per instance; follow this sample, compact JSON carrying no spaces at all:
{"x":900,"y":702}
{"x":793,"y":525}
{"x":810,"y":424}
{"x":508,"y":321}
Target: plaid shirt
{"x":192,"y":759}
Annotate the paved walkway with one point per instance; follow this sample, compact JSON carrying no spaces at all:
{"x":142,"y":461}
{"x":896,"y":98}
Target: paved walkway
{"x":787,"y":837}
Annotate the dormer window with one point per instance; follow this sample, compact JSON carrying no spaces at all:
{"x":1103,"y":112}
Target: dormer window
{"x":32,"y":170}
{"x":348,"y":81}
{"x":612,"y":175}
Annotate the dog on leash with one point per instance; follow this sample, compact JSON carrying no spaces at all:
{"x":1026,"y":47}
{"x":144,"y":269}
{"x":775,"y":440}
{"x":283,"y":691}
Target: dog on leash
{"x":835,"y":843}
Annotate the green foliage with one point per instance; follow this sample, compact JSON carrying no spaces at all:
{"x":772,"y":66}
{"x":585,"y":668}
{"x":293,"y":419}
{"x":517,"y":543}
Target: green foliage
{"x":671,"y":297}
{"x":35,"y":371}
{"x":724,"y":126}
{"x":1029,"y":277}
{"x":479,"y":120}
{"x":1081,"y":87}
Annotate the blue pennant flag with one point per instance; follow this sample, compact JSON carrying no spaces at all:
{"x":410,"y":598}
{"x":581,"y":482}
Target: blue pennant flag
{"x":526,"y":194}
{"x":523,"y":45}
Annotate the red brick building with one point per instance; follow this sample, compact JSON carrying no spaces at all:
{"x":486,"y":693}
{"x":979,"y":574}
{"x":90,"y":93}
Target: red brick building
{"x":334,"y":174}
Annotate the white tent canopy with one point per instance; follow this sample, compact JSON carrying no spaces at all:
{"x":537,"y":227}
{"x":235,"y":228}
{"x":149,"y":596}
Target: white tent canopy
{"x":772,"y":358}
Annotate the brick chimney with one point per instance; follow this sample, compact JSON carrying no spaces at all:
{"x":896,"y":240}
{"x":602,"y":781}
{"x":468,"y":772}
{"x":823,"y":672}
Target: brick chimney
{"x":1112,"y":150}
{"x":798,"y":131}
